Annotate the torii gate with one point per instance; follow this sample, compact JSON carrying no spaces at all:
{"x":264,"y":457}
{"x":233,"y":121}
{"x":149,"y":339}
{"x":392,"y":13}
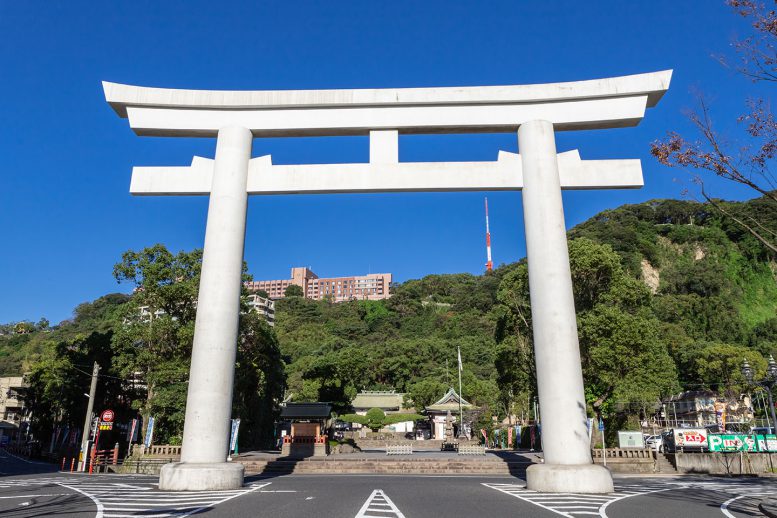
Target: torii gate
{"x":535,"y":112}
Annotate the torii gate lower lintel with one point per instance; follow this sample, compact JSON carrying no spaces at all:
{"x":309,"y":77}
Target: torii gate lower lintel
{"x":535,"y":112}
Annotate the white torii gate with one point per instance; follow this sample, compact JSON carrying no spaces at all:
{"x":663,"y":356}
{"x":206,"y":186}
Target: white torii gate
{"x":535,"y":112}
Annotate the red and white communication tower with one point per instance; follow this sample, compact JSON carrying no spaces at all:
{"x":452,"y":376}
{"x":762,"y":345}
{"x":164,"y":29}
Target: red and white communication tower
{"x":489,"y":263}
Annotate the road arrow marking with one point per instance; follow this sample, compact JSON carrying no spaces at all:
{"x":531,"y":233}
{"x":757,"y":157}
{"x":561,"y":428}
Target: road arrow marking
{"x":378,"y":502}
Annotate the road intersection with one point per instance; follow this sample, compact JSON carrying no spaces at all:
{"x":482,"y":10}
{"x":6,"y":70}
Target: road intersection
{"x":31,"y":494}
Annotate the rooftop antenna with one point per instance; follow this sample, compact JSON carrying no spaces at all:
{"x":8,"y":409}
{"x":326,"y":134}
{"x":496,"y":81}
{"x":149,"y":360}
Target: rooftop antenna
{"x":489,"y":263}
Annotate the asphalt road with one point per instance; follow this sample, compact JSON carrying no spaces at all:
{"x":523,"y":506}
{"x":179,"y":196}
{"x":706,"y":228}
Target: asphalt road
{"x":30,"y":489}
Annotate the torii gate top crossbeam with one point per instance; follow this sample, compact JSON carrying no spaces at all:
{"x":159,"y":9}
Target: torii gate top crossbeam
{"x":599,"y":103}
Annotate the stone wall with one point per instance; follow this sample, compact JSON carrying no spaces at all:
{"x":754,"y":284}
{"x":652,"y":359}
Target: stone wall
{"x":142,"y":466}
{"x":626,"y":460}
{"x":304,"y":449}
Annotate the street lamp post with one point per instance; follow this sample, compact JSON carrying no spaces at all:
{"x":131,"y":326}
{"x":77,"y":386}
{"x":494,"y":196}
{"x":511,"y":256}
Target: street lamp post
{"x":767,"y":383}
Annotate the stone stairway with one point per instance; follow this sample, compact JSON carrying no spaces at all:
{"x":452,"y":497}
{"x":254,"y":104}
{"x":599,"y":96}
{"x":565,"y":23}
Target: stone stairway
{"x":665,"y":463}
{"x":328,"y":466}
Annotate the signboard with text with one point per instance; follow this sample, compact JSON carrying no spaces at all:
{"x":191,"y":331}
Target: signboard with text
{"x":732,"y":442}
{"x":742,"y":442}
{"x":690,"y":438}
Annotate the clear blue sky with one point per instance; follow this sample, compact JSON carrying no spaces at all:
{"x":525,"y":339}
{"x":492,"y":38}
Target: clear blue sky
{"x":65,"y":211}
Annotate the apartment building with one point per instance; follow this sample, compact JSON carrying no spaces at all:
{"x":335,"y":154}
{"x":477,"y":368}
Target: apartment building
{"x":13,"y":414}
{"x":374,"y":286}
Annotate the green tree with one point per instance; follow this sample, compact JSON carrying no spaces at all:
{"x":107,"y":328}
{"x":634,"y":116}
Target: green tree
{"x":59,"y":378}
{"x":155,"y":341}
{"x":426,"y":391}
{"x":156,"y":337}
{"x":719,"y":366}
{"x":748,"y":165}
{"x":293,"y":291}
{"x":260,"y":381}
{"x":623,"y":357}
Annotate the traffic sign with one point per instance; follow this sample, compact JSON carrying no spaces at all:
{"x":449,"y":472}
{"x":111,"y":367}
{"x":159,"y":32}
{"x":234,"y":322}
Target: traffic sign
{"x":107,"y":416}
{"x":601,"y":425}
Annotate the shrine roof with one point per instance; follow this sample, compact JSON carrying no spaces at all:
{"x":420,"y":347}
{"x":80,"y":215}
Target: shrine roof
{"x":450,"y":401}
{"x":306,"y":411}
{"x":382,"y":400}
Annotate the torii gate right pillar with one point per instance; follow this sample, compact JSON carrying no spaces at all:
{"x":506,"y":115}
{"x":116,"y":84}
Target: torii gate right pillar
{"x":568,"y":466}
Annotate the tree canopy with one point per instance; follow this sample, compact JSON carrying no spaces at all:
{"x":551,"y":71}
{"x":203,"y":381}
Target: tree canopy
{"x":670,"y":295}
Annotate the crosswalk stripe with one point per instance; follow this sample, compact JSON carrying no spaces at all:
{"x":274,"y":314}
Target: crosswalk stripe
{"x":574,"y":504}
{"x":121,"y":499}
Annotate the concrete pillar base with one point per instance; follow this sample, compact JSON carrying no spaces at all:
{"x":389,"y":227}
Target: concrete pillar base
{"x":196,"y":476}
{"x":579,"y":478}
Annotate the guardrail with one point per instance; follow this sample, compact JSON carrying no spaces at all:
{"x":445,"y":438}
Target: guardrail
{"x":304,"y":439}
{"x":618,"y":453}
{"x":155,"y":450}
{"x":399,"y":449}
{"x":472,"y":449}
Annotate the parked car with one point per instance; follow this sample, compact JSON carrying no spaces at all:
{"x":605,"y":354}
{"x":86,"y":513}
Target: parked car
{"x":654,"y":442}
{"x":667,"y":442}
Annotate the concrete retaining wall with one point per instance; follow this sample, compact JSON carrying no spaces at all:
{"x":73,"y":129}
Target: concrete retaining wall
{"x":720,"y":463}
{"x":627,"y":465}
{"x":142,"y":466}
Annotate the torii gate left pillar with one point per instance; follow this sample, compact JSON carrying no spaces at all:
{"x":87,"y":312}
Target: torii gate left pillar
{"x":535,"y":112}
{"x":212,"y":371}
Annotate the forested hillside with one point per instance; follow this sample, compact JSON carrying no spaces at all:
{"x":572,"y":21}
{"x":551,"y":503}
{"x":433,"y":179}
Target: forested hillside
{"x":670,"y":295}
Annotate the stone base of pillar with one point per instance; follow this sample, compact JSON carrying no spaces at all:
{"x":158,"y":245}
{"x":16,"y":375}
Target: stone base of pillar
{"x":558,"y":478}
{"x":194,"y":476}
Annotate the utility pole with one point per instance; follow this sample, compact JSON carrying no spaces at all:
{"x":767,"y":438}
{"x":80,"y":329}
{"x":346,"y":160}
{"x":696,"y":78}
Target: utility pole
{"x":88,"y":419}
{"x":461,"y":412}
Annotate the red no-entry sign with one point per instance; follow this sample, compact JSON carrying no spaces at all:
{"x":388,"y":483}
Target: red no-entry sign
{"x":106,"y":416}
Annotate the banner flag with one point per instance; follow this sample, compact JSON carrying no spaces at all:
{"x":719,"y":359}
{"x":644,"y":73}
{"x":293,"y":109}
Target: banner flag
{"x":460,"y":367}
{"x":131,"y":436}
{"x":233,"y":435}
{"x":149,"y":432}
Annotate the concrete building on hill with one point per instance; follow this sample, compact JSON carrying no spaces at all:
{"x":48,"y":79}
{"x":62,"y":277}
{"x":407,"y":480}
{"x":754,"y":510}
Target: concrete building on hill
{"x":262,"y":306}
{"x":14,"y":418}
{"x":374,"y":286}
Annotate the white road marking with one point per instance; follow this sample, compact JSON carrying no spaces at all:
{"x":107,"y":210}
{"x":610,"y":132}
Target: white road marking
{"x":97,"y":503}
{"x":572,"y":505}
{"x":378,"y":502}
{"x":725,"y":505}
{"x":122,"y":499}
